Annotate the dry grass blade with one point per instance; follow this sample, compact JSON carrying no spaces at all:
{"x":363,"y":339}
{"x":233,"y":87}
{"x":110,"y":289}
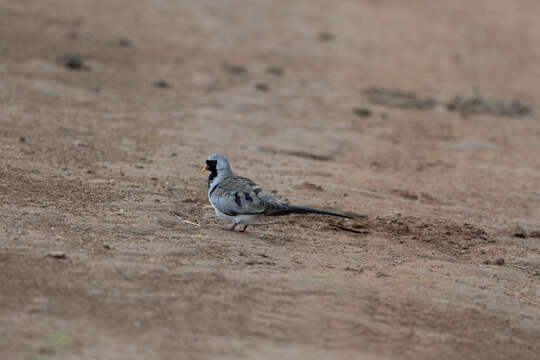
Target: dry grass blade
{"x":184,"y":220}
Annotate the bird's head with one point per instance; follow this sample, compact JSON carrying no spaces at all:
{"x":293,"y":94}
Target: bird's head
{"x":218,"y":166}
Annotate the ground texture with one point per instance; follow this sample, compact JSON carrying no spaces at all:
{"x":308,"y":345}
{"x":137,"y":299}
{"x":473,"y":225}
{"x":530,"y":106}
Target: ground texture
{"x":418,"y":117}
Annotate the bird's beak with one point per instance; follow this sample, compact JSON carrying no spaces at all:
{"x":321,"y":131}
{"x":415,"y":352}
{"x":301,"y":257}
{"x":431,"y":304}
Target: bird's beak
{"x":203,"y":169}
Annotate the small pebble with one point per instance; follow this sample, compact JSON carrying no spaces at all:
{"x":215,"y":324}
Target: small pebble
{"x":262,"y":87}
{"x":520,"y":232}
{"x":234,"y":69}
{"x":326,"y":36}
{"x":79,"y":143}
{"x":123,"y":42}
{"x":274,"y":70}
{"x":362,"y":112}
{"x":57,"y":255}
{"x":162,"y":84}
{"x":73,"y":62}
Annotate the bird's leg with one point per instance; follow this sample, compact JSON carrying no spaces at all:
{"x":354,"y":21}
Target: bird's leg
{"x":231,"y":228}
{"x":244,"y":229}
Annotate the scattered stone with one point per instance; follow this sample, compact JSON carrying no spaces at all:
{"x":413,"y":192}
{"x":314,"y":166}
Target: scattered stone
{"x":73,"y":62}
{"x":73,"y":35}
{"x":520,"y":232}
{"x":398,"y":99}
{"x":499,"y":261}
{"x":355,"y":270}
{"x":138,"y":166}
{"x":326,"y":36}
{"x":107,"y":246}
{"x":234,"y":69}
{"x":162,"y":84}
{"x":262,"y":87}
{"x":534,"y":233}
{"x":57,"y":254}
{"x":381,"y":274}
{"x":125,"y":43}
{"x":478,"y":105}
{"x":79,"y":143}
{"x":274,"y":70}
{"x":362,"y":112}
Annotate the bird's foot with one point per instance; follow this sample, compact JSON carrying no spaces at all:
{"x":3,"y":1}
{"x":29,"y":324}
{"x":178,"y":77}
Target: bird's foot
{"x":231,"y":227}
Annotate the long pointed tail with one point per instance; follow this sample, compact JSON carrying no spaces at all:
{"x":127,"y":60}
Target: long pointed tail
{"x":294,"y":209}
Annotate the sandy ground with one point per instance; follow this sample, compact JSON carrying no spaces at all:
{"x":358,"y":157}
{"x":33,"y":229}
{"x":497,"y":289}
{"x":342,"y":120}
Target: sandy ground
{"x":109,"y":249}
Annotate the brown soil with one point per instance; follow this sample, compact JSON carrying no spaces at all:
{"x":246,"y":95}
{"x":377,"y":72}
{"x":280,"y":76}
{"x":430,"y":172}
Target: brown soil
{"x":109,"y":109}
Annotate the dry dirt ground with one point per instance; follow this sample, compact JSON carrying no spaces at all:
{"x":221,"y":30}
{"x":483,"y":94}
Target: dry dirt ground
{"x":420,"y":114}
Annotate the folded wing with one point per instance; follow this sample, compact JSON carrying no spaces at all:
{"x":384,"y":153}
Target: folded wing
{"x":240,"y":196}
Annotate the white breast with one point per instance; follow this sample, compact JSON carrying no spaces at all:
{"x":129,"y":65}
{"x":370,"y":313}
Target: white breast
{"x":239,"y":219}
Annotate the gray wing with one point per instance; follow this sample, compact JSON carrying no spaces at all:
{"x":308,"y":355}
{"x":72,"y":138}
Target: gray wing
{"x":240,"y":196}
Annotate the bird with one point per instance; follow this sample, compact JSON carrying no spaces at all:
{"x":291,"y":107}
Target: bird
{"x":240,"y":200}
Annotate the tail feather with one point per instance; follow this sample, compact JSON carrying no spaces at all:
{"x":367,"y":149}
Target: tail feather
{"x":294,"y":209}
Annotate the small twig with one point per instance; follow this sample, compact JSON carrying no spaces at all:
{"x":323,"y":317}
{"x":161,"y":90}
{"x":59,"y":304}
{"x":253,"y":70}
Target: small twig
{"x":185,"y":221}
{"x":344,"y":228}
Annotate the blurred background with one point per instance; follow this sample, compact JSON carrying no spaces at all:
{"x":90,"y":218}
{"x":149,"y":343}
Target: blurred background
{"x":421,"y":115}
